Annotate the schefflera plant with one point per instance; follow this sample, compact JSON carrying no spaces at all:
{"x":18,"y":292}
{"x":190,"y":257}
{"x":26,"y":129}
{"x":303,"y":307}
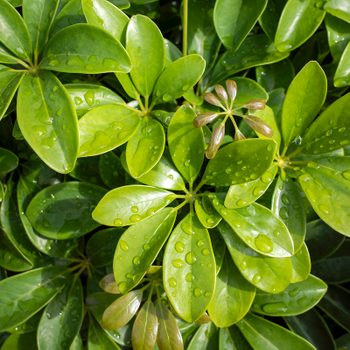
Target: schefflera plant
{"x":29,"y":54}
{"x":157,"y":76}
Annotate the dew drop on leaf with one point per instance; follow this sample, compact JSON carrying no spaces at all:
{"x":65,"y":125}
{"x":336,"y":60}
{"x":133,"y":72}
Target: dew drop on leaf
{"x":179,"y":247}
{"x":177,"y":263}
{"x":264,"y":243}
{"x":190,"y":258}
{"x":124,"y":246}
{"x":172,"y":282}
{"x":197,"y":292}
{"x":274,"y":307}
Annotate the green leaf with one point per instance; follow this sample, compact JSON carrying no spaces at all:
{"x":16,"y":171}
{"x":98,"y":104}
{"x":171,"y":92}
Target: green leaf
{"x":268,"y":274}
{"x":336,"y":304}
{"x":269,"y":18}
{"x":145,"y":147}
{"x":234,"y":19}
{"x":239,"y":162}
{"x":139,"y":246}
{"x":263,"y":334}
{"x":18,"y":341}
{"x":206,"y":213}
{"x":164,"y":175}
{"x":14,"y":32}
{"x":206,"y":338}
{"x":286,"y":204}
{"x":89,"y":96}
{"x":233,"y":296}
{"x":83,"y":48}
{"x":98,"y":338}
{"x":301,"y":265}
{"x":255,"y":50}
{"x":106,"y":127}
{"x":121,"y":311}
{"x":62,"y":318}
{"x":296,"y":299}
{"x":232,"y":339}
{"x":127,"y":84}
{"x":9,"y":82}
{"x":189,"y":269}
{"x":331,"y":130}
{"x":111,"y":170}
{"x":328,"y":191}
{"x":63,"y":211}
{"x":313,"y":328}
{"x":145,"y":327}
{"x":6,"y":56}
{"x":47,"y":120}
{"x":304,"y":99}
{"x":104,"y":14}
{"x":178,"y":77}
{"x":22,"y":295}
{"x":338,"y":8}
{"x":298,"y":22}
{"x":243,"y":194}
{"x":169,"y":336}
{"x":145,"y":46}
{"x":259,"y":228}
{"x":128,"y":205}
{"x":186,"y":143}
{"x":342,"y":74}
{"x":8,"y":161}
{"x":39,"y":16}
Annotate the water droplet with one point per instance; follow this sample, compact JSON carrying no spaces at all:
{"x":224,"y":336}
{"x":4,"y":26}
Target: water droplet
{"x":151,"y":211}
{"x":172,"y":282}
{"x":134,"y":209}
{"x":136,"y":260}
{"x":118,"y":222}
{"x":146,"y":247}
{"x":129,"y":276}
{"x":205,"y":251}
{"x":276,"y":233}
{"x":179,"y":247}
{"x":39,"y":130}
{"x":256,"y":279}
{"x":177,"y":263}
{"x":167,"y":97}
{"x":187,"y":163}
{"x":210,"y":221}
{"x":283,"y":213}
{"x":346,"y":174}
{"x":294,"y":292}
{"x":273,"y":308}
{"x":189,"y":277}
{"x":122,"y":286}
{"x":285,"y":199}
{"x":258,"y":191}
{"x":253,"y":176}
{"x":78,"y":101}
{"x":323,"y":209}
{"x":263,"y":243}
{"x":89,"y":98}
{"x":197,"y":292}
{"x":228,"y":171}
{"x":200,"y":243}
{"x":75,"y":61}
{"x":341,"y":129}
{"x":243,"y":265}
{"x":110,"y":63}
{"x":241,"y":203}
{"x":135,"y":218}
{"x":190,"y":258}
{"x":207,"y":294}
{"x":187,"y":228}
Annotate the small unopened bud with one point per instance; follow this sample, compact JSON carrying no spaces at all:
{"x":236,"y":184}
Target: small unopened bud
{"x":256,"y":104}
{"x":213,"y":100}
{"x":231,"y":88}
{"x":215,"y":141}
{"x":204,"y":119}
{"x":258,"y":125}
{"x":221,"y":92}
{"x":239,"y":135}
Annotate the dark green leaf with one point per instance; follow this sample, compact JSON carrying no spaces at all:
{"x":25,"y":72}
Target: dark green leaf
{"x":83,"y":48}
{"x":206,"y":213}
{"x":98,"y":338}
{"x":301,"y":263}
{"x":338,"y":8}
{"x":111,"y":170}
{"x":206,"y":338}
{"x":6,"y":56}
{"x":8,"y":161}
{"x":232,"y":339}
{"x":18,"y":341}
{"x":342,"y":74}
{"x":269,"y":18}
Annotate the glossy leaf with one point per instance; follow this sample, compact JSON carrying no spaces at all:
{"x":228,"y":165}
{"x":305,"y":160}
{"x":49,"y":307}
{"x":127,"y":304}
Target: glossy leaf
{"x":189,"y":269}
{"x":14,"y":32}
{"x":145,"y":327}
{"x":286,"y":204}
{"x":62,"y":318}
{"x":6,"y":56}
{"x":139,"y":246}
{"x":164,"y":175}
{"x":296,"y":299}
{"x":239,"y":162}
{"x":263,"y":334}
{"x":8,"y":161}
{"x":128,"y":205}
{"x":169,"y":336}
{"x":232,"y":339}
{"x":205,"y":338}
{"x":338,"y":8}
{"x":255,"y":50}
{"x":9,"y":82}
{"x":145,"y":46}
{"x":145,"y":147}
{"x":270,"y":17}
{"x":186,"y":143}
{"x":300,"y":106}
{"x":87,"y":96}
{"x":106,"y":127}
{"x":298,"y":22}
{"x":342,"y":74}
{"x":24,"y":294}
{"x":301,"y":263}
{"x":98,"y":338}
{"x":234,"y":19}
{"x":247,"y":90}
{"x":83,"y":48}
{"x":243,"y":194}
{"x":268,"y":274}
{"x":47,"y":120}
{"x":63,"y":211}
{"x":121,"y":311}
{"x":111,"y":170}
{"x":104,"y":14}
{"x":331,"y":130}
{"x":18,"y":341}
{"x":328,"y":192}
{"x":178,"y":77}
{"x":206,"y":213}
{"x":259,"y":228}
{"x":38,"y":16}
{"x":233,"y":296}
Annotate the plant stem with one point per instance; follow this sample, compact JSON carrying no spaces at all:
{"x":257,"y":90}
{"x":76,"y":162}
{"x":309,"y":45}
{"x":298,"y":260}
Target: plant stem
{"x":184,"y":26}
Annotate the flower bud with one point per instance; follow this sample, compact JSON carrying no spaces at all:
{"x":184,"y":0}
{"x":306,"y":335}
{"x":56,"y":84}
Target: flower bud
{"x":256,"y":104}
{"x":239,"y":135}
{"x":231,"y":88}
{"x":258,"y":125}
{"x":204,"y":119}
{"x":213,"y":100}
{"x":221,"y":92}
{"x":215,"y":141}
